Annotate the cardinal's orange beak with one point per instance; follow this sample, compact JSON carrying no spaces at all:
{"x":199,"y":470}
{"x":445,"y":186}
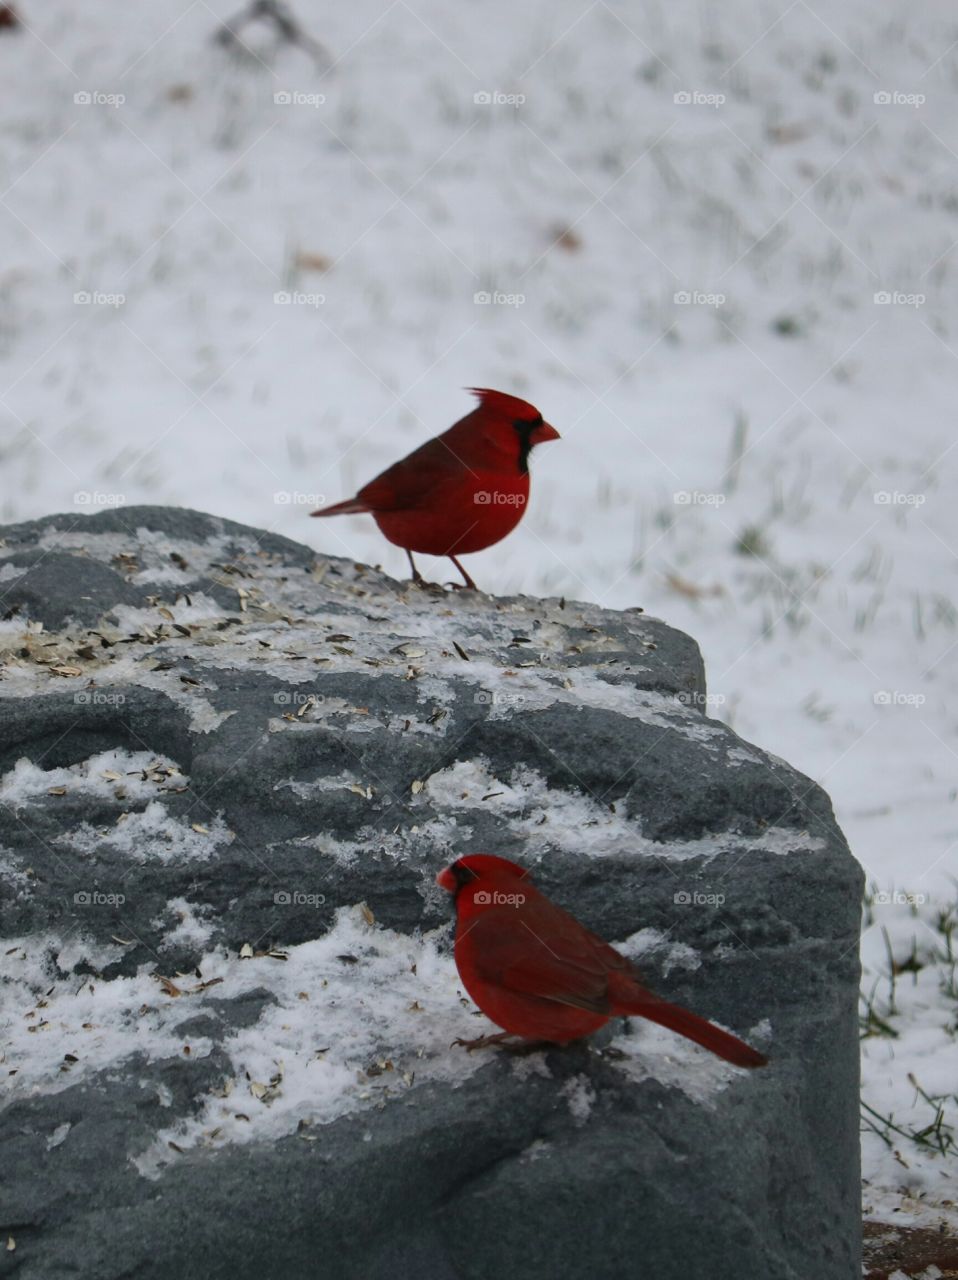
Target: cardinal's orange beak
{"x":446,"y":880}
{"x":542,"y":433}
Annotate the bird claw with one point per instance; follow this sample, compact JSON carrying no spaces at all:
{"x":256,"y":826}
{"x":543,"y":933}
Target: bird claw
{"x":440,"y":588}
{"x":505,"y":1041}
{"x":480,"y":1042}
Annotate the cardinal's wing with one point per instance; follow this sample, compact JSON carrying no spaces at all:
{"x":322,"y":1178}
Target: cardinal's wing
{"x":538,"y":949}
{"x":417,"y":480}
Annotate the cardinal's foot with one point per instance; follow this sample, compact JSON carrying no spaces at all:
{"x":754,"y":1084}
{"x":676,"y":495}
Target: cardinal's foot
{"x":436,"y":588}
{"x":506,"y":1041}
{"x":481,"y":1042}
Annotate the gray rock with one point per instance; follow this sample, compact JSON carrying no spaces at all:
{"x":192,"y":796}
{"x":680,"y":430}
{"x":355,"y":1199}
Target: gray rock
{"x":215,"y":749}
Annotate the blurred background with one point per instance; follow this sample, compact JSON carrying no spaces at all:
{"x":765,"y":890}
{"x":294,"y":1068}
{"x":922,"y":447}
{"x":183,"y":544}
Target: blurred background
{"x":250,"y":257}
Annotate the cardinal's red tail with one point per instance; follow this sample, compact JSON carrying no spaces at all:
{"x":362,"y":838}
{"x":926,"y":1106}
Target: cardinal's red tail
{"x":351,"y":507}
{"x":633,"y":999}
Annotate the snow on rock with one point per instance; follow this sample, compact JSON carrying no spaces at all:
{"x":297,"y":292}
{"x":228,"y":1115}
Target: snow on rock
{"x":580,"y":1097}
{"x":152,"y":832}
{"x":649,"y":1052}
{"x":355,"y":1019}
{"x":356,"y":1016}
{"x":577,"y":823}
{"x":116,"y":775}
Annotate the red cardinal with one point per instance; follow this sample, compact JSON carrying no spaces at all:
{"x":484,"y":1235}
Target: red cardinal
{"x":538,"y":973}
{"x":461,"y":491}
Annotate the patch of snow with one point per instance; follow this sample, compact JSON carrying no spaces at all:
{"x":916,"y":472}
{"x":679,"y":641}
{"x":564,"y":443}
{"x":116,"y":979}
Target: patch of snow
{"x":193,"y":928}
{"x":653,"y":1052}
{"x":116,"y":775}
{"x":152,"y":834}
{"x":668,"y":954}
{"x":437,"y":834}
{"x":580,"y":1097}
{"x":58,"y":1136}
{"x":572,"y":820}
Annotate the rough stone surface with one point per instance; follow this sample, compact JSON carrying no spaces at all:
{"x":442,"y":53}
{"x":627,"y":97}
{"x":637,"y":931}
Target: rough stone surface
{"x":237,"y":767}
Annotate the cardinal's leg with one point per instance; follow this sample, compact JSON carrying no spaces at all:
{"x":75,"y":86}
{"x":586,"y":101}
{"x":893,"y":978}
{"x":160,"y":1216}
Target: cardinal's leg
{"x":467,"y":584}
{"x":419,"y":581}
{"x":416,"y":575}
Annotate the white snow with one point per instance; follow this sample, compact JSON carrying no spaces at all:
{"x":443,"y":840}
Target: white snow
{"x":670,"y":954}
{"x":579,"y":1094}
{"x":540,"y":815}
{"x":193,"y":928}
{"x":652,"y":1052}
{"x":436,"y":834}
{"x":116,"y":775}
{"x":152,"y":832}
{"x":913,"y":1053}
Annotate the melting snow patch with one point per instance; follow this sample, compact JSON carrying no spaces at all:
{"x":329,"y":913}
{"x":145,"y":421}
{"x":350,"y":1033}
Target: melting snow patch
{"x":573,"y":821}
{"x":317,"y":786}
{"x":653,"y":1052}
{"x":192,"y":930}
{"x":58,"y":1136}
{"x":668,"y":955}
{"x":580,"y":1096}
{"x":427,"y":838}
{"x":119,"y":776}
{"x":153,"y":833}
{"x":531,"y":689}
{"x":534,"y":811}
{"x":204,"y":717}
{"x":345,"y":1034}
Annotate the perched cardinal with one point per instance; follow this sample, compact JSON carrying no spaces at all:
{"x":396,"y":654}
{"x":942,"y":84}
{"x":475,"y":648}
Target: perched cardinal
{"x":538,"y":973}
{"x":461,"y":491}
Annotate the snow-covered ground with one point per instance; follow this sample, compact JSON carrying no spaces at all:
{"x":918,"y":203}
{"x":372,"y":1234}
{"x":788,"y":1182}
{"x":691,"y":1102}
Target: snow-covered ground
{"x":716,"y":245}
